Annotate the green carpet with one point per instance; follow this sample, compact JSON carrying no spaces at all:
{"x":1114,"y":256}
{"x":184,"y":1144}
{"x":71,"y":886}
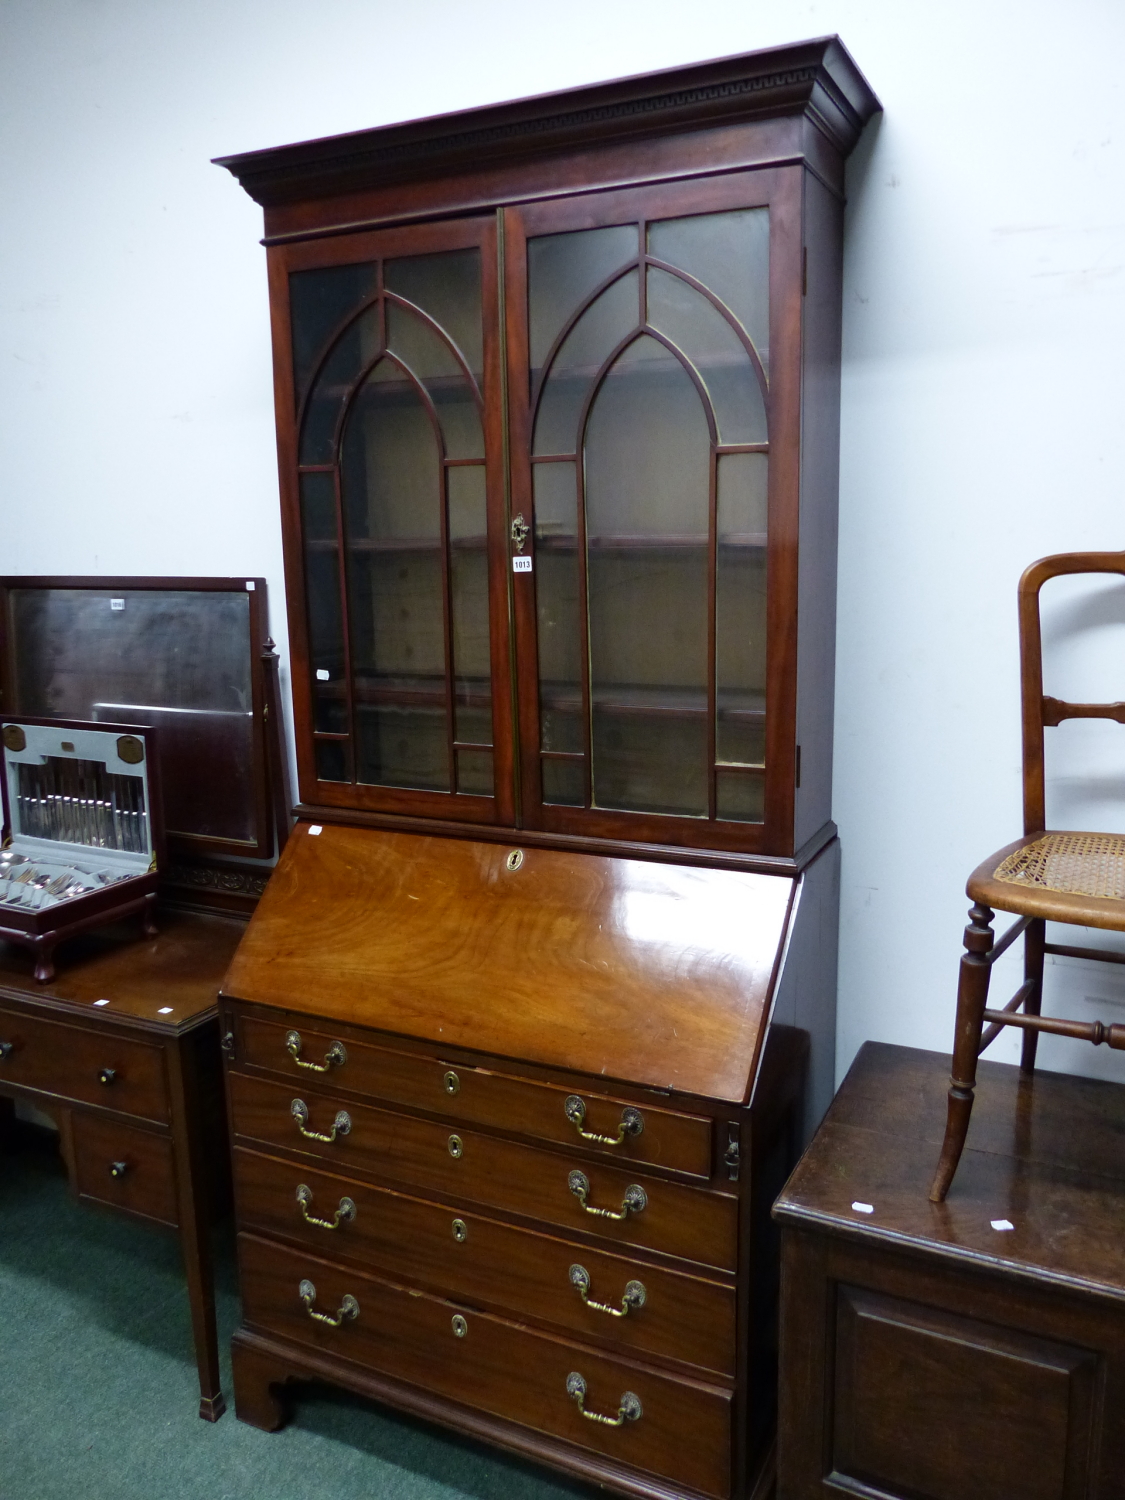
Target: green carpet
{"x":98,"y":1391}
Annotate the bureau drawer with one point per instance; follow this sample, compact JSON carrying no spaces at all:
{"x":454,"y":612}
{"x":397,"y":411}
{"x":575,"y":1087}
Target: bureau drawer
{"x":127,"y":1168}
{"x":678,"y":1142}
{"x":693,"y":1223}
{"x":480,"y":1261}
{"x":682,"y":1432}
{"x":83,"y":1063}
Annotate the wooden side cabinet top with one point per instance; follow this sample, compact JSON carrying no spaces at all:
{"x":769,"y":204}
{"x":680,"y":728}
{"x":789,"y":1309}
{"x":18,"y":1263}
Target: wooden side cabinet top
{"x":557,"y":404}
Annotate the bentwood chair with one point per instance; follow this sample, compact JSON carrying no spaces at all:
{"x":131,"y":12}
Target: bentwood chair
{"x":1045,"y":876}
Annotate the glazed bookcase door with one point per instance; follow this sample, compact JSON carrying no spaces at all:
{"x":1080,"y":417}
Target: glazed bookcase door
{"x":654,"y":364}
{"x":388,"y":398}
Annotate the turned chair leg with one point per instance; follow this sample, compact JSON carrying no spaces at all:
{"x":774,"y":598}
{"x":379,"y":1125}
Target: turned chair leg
{"x":1033,"y":957}
{"x":972,"y":996}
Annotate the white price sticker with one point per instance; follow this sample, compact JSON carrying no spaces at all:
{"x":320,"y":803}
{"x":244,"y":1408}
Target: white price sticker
{"x":117,"y":604}
{"x":521,"y":564}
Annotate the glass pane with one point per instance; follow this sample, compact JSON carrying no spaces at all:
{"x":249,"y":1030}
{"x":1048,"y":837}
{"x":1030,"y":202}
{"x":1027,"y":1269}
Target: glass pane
{"x":472,"y":666}
{"x":322,"y":600}
{"x":730,"y":254}
{"x":698,"y":328}
{"x":585,"y":349}
{"x":391,"y":479}
{"x":318,"y":508}
{"x":319,"y":301}
{"x":350,"y":354}
{"x":174,"y":659}
{"x":740,"y":796}
{"x":563,"y":783}
{"x":559,"y":611}
{"x":403,"y":746}
{"x":647,"y":458}
{"x":562,"y":271}
{"x":468,"y":504}
{"x":650,"y":762}
{"x":474,"y":773}
{"x":430,"y":359}
{"x":740,"y":607}
{"x":331,"y":761}
{"x":447,"y":287}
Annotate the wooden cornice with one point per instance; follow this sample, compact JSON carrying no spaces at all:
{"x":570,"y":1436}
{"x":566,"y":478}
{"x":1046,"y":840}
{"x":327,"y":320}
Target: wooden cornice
{"x":816,"y":78}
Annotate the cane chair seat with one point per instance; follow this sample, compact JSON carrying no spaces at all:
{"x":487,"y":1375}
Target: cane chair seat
{"x":1060,"y":876}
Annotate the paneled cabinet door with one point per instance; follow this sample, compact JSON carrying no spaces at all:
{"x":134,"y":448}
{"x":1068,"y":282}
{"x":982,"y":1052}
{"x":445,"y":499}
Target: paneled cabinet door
{"x":390,"y":433}
{"x":654,"y":364}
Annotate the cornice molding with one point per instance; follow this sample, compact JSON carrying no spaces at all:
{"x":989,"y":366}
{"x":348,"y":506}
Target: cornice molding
{"x":816,"y":78}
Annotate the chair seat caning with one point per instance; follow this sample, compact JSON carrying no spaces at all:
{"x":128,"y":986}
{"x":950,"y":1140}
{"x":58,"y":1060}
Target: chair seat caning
{"x":1079,"y":864}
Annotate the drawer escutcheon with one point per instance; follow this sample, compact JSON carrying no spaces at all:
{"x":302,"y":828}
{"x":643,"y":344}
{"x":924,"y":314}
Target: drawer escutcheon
{"x":632,"y":1122}
{"x":335,"y":1057}
{"x":343,"y":1215}
{"x":635,"y":1200}
{"x":341,"y":1125}
{"x":629,"y":1408}
{"x":634,"y":1296}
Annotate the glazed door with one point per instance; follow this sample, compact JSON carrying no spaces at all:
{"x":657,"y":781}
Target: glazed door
{"x":654,"y":366}
{"x":389,"y":416}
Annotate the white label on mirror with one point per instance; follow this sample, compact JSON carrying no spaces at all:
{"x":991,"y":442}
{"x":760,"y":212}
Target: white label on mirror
{"x":117,"y":604}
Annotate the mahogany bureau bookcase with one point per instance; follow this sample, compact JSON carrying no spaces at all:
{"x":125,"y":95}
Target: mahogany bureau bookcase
{"x":120,"y":1047}
{"x":540,"y":1001}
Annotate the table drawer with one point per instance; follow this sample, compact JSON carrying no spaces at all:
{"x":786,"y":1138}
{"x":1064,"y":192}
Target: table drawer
{"x":682,"y":1431}
{"x":83,"y":1063}
{"x":124,"y":1167}
{"x":693,"y":1223}
{"x":678,"y":1142}
{"x":478,"y":1260}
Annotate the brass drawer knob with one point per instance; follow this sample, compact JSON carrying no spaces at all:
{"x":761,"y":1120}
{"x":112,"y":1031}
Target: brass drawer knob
{"x":118,"y":1168}
{"x":344,"y":1214}
{"x":634,"y":1296}
{"x":629,"y":1408}
{"x":634,"y":1202}
{"x":632,"y":1122}
{"x":335,"y":1057}
{"x":107,"y":1076}
{"x":341,"y":1125}
{"x":349,"y":1307}
{"x":6,"y":1049}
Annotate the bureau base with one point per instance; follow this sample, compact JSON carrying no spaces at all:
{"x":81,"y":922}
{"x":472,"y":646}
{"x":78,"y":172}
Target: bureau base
{"x":264,"y":1367}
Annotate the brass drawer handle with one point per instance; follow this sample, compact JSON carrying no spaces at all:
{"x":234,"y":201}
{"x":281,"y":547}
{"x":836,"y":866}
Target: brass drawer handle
{"x":6,"y":1050}
{"x":107,"y":1075}
{"x":635,"y":1200}
{"x":632,"y":1122}
{"x":629,"y":1409}
{"x":118,"y":1168}
{"x":340,"y":1125}
{"x":349,"y":1307}
{"x":335,"y":1057}
{"x":343,"y":1215}
{"x":635,"y":1294}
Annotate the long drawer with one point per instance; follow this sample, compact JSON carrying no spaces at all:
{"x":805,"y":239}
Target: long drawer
{"x":482,"y":1262}
{"x":479,"y":1096}
{"x":691,"y":1223}
{"x":678,"y":1429}
{"x":124,"y":1167}
{"x":92,"y":1067}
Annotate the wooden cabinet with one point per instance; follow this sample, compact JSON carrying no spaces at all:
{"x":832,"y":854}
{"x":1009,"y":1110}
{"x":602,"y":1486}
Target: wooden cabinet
{"x":971,"y":1347}
{"x":540,"y":1000}
{"x":557,"y":429}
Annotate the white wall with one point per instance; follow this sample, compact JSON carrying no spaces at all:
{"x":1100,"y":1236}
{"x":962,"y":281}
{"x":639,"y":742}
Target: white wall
{"x":984,"y":323}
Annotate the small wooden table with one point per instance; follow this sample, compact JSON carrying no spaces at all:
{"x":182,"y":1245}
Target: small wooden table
{"x":928,"y":1351}
{"x":121,"y":1050}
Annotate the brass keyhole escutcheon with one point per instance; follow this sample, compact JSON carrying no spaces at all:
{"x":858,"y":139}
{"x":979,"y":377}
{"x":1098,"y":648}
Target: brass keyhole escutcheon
{"x":460,"y":1231}
{"x":520,"y":532}
{"x":456,"y":1146}
{"x":451,"y":1083}
{"x":460,"y":1326}
{"x":514,"y":860}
